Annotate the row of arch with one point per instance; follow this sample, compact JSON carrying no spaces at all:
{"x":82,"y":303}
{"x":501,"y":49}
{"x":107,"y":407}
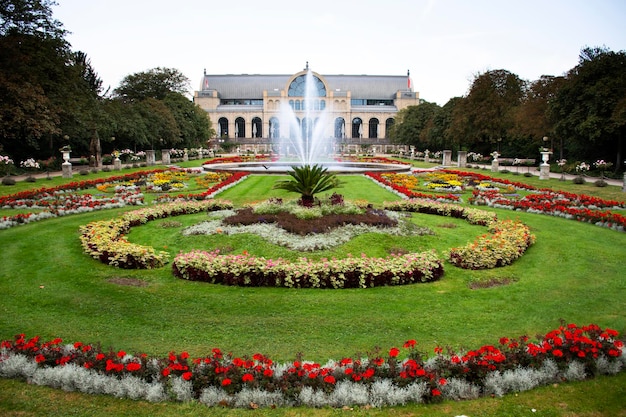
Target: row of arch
{"x":356,"y":130}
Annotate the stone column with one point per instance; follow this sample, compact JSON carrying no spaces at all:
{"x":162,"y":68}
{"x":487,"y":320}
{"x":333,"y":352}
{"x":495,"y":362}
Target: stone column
{"x":544,"y":168}
{"x":185,"y":155}
{"x":150,"y":158}
{"x":447,"y":158}
{"x":495,"y":164}
{"x":427,"y":156}
{"x":66,"y":166}
{"x":462,"y":159}
{"x":117,"y":164}
{"x":165,"y":156}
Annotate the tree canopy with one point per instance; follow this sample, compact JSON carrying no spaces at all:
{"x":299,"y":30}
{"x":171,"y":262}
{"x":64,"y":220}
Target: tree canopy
{"x":52,"y":96}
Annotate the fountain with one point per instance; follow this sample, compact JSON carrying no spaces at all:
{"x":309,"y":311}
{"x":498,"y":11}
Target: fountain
{"x":304,"y":140}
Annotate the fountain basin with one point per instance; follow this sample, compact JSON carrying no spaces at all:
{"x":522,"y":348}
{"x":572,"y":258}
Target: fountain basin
{"x":282,"y":167}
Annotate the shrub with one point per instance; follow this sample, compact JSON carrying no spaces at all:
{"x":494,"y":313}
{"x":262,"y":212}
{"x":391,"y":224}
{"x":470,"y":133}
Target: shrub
{"x":30,"y":178}
{"x":84,"y":171}
{"x":600,"y":183}
{"x":8,"y":181}
{"x":579,"y":180}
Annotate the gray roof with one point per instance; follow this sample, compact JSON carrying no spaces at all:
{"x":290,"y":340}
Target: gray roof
{"x":251,"y":86}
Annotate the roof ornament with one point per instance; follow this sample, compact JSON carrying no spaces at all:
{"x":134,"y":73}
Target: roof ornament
{"x":307,"y":66}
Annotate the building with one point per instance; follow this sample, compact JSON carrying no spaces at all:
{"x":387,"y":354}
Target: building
{"x":358,"y":109}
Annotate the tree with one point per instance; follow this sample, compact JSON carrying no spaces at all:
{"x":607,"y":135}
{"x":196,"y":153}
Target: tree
{"x":589,"y":106}
{"x":155,"y":83}
{"x":30,"y":17}
{"x":534,"y":118}
{"x":308,"y":180}
{"x":413,"y":125}
{"x":193,"y":122}
{"x":489,"y":106}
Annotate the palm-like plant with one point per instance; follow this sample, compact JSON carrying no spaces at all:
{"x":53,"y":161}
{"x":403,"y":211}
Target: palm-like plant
{"x":309,"y":180}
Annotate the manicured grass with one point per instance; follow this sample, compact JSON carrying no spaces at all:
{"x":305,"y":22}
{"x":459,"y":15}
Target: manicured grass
{"x":602,"y":396}
{"x":574,"y":272}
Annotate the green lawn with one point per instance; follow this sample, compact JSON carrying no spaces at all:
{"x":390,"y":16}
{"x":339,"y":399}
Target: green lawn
{"x":574,"y":272}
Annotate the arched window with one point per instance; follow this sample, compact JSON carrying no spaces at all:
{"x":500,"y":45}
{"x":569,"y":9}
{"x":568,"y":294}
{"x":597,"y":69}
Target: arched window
{"x":274,"y":128}
{"x":297,"y":105}
{"x":298,"y":87}
{"x":240,"y":127}
{"x":340,"y":127}
{"x":257,"y":128}
{"x":389,"y":125}
{"x":357,"y":128}
{"x":222,"y":127}
{"x":291,"y":104}
{"x":373,"y":128}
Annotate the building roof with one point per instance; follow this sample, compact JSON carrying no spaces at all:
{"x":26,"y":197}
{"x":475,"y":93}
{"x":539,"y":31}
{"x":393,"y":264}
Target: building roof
{"x":251,"y":86}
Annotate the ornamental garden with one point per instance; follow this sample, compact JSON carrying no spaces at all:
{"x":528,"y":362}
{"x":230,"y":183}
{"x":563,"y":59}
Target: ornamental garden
{"x":394,"y":289}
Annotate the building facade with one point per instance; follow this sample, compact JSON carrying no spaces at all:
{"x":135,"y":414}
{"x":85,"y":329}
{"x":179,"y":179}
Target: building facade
{"x":248,"y":109}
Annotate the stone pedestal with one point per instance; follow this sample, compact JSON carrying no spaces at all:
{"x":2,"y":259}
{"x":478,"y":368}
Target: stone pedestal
{"x":495,"y":165}
{"x":150,"y":159}
{"x":624,"y":183}
{"x":462,"y":159}
{"x":165,"y":157}
{"x":447,"y":158}
{"x":185,"y":155}
{"x":427,"y":156}
{"x":117,"y":164}
{"x":544,"y":168}
{"x":67,"y":169}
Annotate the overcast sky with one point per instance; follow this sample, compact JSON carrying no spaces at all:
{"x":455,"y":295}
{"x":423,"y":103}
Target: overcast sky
{"x":444,"y":43}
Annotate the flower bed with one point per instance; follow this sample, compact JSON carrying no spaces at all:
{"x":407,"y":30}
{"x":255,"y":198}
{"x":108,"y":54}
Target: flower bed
{"x":63,"y":199}
{"x":558,"y":203}
{"x":351,"y":272}
{"x":104,"y":240}
{"x":399,"y":185}
{"x":507,"y":241}
{"x":570,"y":352}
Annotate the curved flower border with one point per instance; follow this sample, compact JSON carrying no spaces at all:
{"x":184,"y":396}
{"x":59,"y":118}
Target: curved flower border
{"x":568,"y":353}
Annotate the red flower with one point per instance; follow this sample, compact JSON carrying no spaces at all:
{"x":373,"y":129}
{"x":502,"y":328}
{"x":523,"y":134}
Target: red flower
{"x":121,"y":354}
{"x":410,"y":343}
{"x":40,"y":358}
{"x":226,"y":381}
{"x":100,"y":356}
{"x":394,"y":352}
{"x":329,"y":379}
{"x":268,"y":373}
{"x":133,"y":366}
{"x":247,"y":377}
{"x":557,"y":352}
{"x":187,"y":376}
{"x":436,"y":392}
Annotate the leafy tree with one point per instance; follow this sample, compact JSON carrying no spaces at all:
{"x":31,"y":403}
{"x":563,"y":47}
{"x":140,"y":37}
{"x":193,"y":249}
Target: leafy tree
{"x":448,"y":129}
{"x":413,"y":125}
{"x":589,"y":108}
{"x":155,"y":83}
{"x":534,"y":118}
{"x":308,"y":180}
{"x":30,"y":17}
{"x":489,"y":107}
{"x":193,"y":122}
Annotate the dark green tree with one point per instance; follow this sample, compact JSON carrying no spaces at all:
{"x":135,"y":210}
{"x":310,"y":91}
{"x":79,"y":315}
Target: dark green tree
{"x":193,"y":122}
{"x":489,"y":108}
{"x":414,"y":124}
{"x":155,"y":83}
{"x":589,"y":108}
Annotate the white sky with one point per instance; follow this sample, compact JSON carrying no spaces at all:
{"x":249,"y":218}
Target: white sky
{"x":444,"y":43}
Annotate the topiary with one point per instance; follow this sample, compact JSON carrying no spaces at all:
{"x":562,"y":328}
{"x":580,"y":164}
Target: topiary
{"x":8,"y":181}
